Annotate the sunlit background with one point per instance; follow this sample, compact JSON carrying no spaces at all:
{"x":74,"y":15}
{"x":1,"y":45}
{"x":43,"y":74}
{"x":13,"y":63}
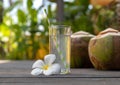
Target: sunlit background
{"x":24,"y":23}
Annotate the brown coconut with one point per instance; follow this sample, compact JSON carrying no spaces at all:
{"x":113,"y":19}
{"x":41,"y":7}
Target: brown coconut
{"x":104,"y":50}
{"x":79,"y":50}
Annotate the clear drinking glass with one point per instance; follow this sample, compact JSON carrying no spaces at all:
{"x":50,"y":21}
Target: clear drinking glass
{"x":59,"y":39}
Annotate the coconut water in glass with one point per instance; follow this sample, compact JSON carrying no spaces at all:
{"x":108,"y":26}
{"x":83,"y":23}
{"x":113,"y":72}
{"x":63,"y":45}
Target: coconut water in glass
{"x":59,"y":43}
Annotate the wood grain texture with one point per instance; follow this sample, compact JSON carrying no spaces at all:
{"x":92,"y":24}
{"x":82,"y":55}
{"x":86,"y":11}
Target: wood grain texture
{"x":18,"y":73}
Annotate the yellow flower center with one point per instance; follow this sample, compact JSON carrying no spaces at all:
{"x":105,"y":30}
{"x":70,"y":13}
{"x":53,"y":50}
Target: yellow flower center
{"x":45,"y":67}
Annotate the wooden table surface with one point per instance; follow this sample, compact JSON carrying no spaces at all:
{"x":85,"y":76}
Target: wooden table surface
{"x":18,"y":73}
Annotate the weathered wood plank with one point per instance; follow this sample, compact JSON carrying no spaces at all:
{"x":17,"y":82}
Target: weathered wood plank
{"x":61,"y":81}
{"x":18,"y":72}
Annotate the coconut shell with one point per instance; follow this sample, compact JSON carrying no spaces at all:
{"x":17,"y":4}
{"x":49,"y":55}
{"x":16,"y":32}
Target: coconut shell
{"x":79,"y":50}
{"x":104,"y":50}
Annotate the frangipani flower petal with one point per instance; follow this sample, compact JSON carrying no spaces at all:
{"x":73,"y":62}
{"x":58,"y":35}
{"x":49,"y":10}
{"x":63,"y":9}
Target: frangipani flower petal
{"x":47,"y":72}
{"x":38,"y":64}
{"x":49,"y":59}
{"x":36,"y":71}
{"x":54,"y":69}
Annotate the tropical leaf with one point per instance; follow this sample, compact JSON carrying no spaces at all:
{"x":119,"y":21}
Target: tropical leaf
{"x":21,"y":16}
{"x":29,"y":4}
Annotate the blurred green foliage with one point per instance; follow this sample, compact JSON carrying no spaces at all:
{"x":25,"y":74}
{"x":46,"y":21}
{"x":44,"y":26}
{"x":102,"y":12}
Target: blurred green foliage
{"x":22,"y":45}
{"x":79,"y":14}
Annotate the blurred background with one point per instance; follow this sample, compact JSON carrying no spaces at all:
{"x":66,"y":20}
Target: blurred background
{"x":24,"y":23}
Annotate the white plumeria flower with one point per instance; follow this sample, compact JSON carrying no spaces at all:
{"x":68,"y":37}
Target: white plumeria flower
{"x":46,"y":67}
